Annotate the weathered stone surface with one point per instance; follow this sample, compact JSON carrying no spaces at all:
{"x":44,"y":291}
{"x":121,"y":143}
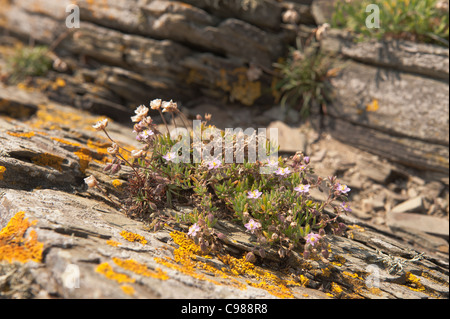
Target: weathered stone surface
{"x":74,"y":224}
{"x":290,"y":139}
{"x":416,"y":58}
{"x":411,"y":205}
{"x":263,"y":13}
{"x":379,"y":107}
{"x":425,"y":223}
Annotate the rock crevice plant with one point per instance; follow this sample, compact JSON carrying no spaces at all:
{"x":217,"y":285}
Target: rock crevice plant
{"x":275,"y":207}
{"x":417,"y":20}
{"x":304,"y":76}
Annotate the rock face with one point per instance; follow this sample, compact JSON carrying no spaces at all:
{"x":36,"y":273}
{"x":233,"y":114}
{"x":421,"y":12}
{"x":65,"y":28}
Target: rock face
{"x":212,"y":42}
{"x":77,"y":243}
{"x":392,"y":100}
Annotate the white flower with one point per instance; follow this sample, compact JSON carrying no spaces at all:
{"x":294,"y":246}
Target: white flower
{"x":169,"y":106}
{"x":141,"y":113}
{"x":155,"y":104}
{"x":135,"y":153}
{"x":101,"y":125}
{"x":114,"y":149}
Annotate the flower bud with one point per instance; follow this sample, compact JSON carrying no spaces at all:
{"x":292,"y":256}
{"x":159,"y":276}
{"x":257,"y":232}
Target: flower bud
{"x":262,"y":252}
{"x":115,"y":168}
{"x":101,"y":125}
{"x":114,"y":149}
{"x":91,"y":181}
{"x":250,"y":257}
{"x":221,"y":236}
{"x":155,"y":104}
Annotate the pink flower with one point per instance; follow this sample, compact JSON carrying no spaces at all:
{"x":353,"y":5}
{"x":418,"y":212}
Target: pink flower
{"x":346,"y":206}
{"x":312,"y":239}
{"x":272,"y":163}
{"x":302,"y":188}
{"x":170,"y":157}
{"x":283,"y":171}
{"x":193,"y":230}
{"x":252,"y":225}
{"x":144,"y":135}
{"x":254,"y":194}
{"x":214,"y":164}
{"x":302,"y":167}
{"x":343,"y":189}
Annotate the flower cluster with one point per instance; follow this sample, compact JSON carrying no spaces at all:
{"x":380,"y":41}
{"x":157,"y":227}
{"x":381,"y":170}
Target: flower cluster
{"x":275,"y":208}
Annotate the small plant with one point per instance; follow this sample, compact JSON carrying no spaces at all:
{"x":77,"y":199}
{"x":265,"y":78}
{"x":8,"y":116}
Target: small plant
{"x":417,"y":20}
{"x":28,"y":61}
{"x":270,"y":200}
{"x":305,"y":76}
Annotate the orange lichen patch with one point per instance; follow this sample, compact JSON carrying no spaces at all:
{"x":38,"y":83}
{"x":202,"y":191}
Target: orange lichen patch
{"x":113,"y":243}
{"x":2,"y":171}
{"x":27,"y":134}
{"x":338,"y":260}
{"x":58,"y":83}
{"x":245,"y":91}
{"x":413,"y":282}
{"x":352,"y":229}
{"x":373,"y":106}
{"x":106,"y":270}
{"x":129,"y":290}
{"x":14,"y":246}
{"x":47,"y":159}
{"x":50,"y":117}
{"x":242,"y":89}
{"x":85,"y":155}
{"x":140,"y":269}
{"x":63,"y":141}
{"x":133,"y":237}
{"x":356,"y":227}
{"x":336,"y":289}
{"x":236,"y":272}
{"x":117,"y":183}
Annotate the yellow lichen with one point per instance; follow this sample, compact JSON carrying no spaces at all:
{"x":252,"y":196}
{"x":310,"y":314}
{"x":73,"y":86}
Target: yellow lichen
{"x":140,"y":269}
{"x":25,"y":134}
{"x":133,"y":237}
{"x":336,"y":289}
{"x":2,"y":171}
{"x":129,"y":290}
{"x":414,"y":282}
{"x":338,"y":260}
{"x":85,"y":155}
{"x":47,"y":159}
{"x":106,"y":270}
{"x":113,"y":243}
{"x":117,"y":183}
{"x":237,"y":270}
{"x":14,"y":246}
